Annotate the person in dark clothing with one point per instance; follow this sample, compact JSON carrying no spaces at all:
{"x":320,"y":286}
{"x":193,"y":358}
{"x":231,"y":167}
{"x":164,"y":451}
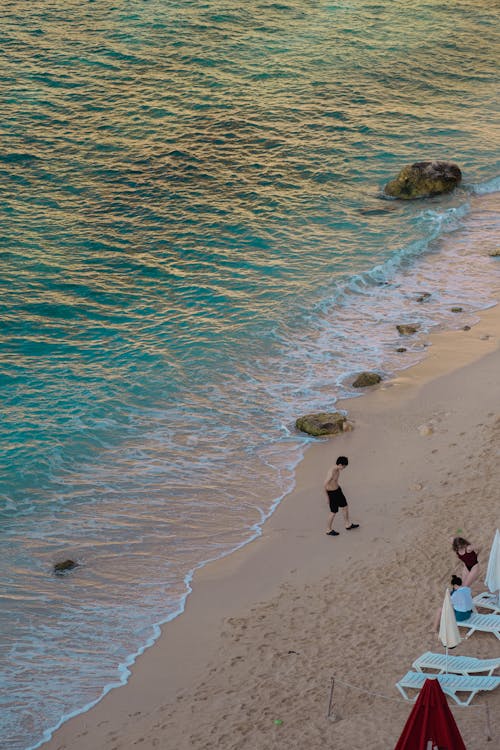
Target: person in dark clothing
{"x":336,"y":498}
{"x":468,"y":556}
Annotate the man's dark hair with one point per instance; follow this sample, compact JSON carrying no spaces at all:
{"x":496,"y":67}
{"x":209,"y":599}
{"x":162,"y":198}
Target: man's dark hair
{"x":456,"y":581}
{"x":342,"y":460}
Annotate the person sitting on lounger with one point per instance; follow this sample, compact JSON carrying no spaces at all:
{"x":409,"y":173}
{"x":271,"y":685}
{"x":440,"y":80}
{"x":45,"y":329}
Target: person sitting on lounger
{"x":461,"y":599}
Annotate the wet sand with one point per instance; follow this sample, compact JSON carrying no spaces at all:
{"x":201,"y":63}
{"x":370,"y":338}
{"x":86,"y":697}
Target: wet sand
{"x":249,"y":663}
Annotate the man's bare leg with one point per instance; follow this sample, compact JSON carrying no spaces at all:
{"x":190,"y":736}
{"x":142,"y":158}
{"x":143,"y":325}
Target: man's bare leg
{"x":347,"y":520}
{"x":437,"y":619}
{"x":330,"y":530}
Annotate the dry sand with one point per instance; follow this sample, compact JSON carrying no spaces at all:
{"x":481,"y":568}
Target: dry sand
{"x":266,"y":628}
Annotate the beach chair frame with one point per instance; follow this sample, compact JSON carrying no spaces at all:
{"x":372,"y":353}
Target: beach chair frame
{"x":464,"y":665}
{"x":481,"y":623}
{"x":451,"y":684}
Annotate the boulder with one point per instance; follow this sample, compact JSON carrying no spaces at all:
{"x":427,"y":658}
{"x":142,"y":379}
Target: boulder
{"x":424,"y":179}
{"x":323,"y":423}
{"x":365,"y":379}
{"x":64,"y":566}
{"x":494,"y":253}
{"x":401,"y":349}
{"x":457,"y":309}
{"x":408,"y":329}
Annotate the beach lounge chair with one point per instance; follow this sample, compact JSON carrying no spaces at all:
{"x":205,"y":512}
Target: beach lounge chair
{"x":484,"y":623}
{"x":465,"y":665}
{"x":487,"y":601}
{"x":451,"y":684}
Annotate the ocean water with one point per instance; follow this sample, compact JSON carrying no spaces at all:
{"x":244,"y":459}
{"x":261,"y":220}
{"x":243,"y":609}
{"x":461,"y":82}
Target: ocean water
{"x":195,"y":251}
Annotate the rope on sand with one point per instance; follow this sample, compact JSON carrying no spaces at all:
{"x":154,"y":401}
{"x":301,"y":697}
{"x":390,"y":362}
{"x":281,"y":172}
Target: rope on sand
{"x":361,"y":690}
{"x":331,"y":712}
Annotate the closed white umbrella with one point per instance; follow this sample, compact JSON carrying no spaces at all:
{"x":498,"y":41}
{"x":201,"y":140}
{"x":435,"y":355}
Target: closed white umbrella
{"x":448,"y":628}
{"x":492,"y":579}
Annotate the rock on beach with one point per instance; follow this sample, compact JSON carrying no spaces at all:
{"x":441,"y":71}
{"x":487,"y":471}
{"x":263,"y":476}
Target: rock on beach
{"x":365,"y":379}
{"x":322,"y":423}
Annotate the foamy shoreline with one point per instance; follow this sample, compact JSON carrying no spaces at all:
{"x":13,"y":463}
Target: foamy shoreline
{"x":262,"y":632}
{"x":439,"y":298}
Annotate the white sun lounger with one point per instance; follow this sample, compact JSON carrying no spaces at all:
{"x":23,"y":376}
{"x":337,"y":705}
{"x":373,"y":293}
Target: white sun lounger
{"x":450,"y":683}
{"x":465,"y":665}
{"x":484,"y":623}
{"x":487,"y":601}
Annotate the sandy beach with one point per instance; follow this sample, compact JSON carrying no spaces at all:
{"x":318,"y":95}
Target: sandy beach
{"x":250,"y":662}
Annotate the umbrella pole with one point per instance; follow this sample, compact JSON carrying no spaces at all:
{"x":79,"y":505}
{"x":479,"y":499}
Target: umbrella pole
{"x":331,"y":698}
{"x":488,"y":725}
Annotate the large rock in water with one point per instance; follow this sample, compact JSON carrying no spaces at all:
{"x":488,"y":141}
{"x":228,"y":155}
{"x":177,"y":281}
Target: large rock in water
{"x":423,"y":179}
{"x":323,"y":423}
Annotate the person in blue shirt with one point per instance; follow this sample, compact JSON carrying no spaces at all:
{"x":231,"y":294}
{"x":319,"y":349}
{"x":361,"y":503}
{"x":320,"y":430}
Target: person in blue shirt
{"x":461,"y":599}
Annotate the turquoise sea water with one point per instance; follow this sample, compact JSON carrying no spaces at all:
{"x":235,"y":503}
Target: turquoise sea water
{"x":194,"y":252}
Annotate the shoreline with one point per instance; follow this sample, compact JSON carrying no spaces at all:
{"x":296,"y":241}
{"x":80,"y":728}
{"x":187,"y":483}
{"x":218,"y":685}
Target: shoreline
{"x":126,"y":665}
{"x":257,"y":573}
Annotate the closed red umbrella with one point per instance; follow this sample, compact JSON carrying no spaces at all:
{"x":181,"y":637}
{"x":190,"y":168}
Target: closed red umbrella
{"x":431,"y":724}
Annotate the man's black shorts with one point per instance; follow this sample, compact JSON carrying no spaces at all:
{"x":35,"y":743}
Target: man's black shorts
{"x":337,"y":499}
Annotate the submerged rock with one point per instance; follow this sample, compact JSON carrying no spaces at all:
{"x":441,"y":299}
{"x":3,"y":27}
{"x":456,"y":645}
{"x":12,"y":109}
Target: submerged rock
{"x":322,"y":423}
{"x":376,"y":211}
{"x":423,"y":297}
{"x":365,"y":379}
{"x":64,"y":566}
{"x":424,"y":179}
{"x":408,"y":329}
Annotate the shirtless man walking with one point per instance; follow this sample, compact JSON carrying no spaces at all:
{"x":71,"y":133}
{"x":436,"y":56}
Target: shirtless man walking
{"x":336,"y":497}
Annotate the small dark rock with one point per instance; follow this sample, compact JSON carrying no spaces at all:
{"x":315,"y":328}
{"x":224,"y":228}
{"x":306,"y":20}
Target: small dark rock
{"x":401,"y":349}
{"x":365,"y":379}
{"x":423,"y":297}
{"x":323,"y":423}
{"x":466,"y":328}
{"x":457,"y":309}
{"x":64,"y":566}
{"x":408,"y":329}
